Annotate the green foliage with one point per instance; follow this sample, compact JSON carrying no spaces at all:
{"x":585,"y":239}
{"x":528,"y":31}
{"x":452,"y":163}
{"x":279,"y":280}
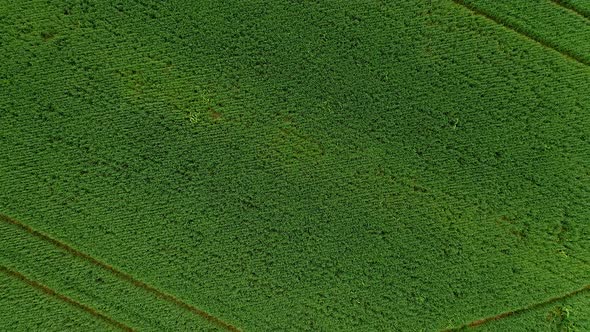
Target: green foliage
{"x":296,"y":165}
{"x":559,"y":319}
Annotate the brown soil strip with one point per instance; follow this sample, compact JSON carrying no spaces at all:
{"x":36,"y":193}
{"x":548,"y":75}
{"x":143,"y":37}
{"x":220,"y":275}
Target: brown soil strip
{"x":529,"y":307}
{"x":571,"y":8}
{"x":522,"y":32}
{"x":122,"y":275}
{"x":64,"y":298}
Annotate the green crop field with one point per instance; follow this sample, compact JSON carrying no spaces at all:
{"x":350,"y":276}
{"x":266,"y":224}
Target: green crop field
{"x":298,"y":165}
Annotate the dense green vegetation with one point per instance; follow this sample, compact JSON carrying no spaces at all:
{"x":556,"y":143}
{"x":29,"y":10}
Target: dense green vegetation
{"x":295,"y":165}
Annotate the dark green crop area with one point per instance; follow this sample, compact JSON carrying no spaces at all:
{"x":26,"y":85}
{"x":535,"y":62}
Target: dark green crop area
{"x":294,"y":165}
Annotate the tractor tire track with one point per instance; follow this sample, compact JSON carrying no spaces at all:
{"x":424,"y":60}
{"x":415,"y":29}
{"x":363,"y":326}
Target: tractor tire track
{"x":515,"y":312}
{"x":68,"y":300}
{"x":571,"y":8}
{"x":120,"y":274}
{"x":522,"y":32}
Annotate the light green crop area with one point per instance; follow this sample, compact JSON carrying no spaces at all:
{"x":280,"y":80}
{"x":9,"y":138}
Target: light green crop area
{"x":296,"y":165}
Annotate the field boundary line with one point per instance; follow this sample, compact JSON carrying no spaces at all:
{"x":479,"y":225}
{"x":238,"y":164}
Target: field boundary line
{"x":120,"y":274}
{"x":571,"y":8}
{"x":45,"y":289}
{"x":522,"y":32}
{"x":518,"y":311}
